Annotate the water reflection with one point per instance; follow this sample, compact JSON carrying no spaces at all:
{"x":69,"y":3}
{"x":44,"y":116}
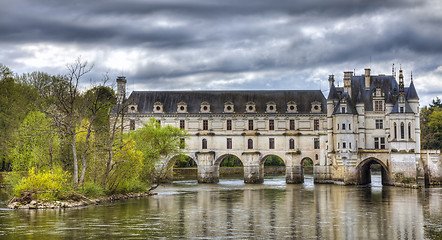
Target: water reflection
{"x":232,"y":209}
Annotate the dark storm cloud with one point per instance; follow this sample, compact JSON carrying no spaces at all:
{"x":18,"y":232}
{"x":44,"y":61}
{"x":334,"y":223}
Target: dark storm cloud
{"x":229,"y":44}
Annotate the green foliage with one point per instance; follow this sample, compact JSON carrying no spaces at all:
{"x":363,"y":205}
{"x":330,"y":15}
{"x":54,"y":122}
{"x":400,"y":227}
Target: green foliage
{"x":44,"y":184}
{"x":184,"y":162}
{"x":91,"y":190}
{"x":274,"y":161}
{"x":36,"y":145}
{"x":231,"y":161}
{"x":158,"y":146}
{"x":431,"y":125}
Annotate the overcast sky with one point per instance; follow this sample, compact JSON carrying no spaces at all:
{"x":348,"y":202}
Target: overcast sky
{"x":227,"y":44}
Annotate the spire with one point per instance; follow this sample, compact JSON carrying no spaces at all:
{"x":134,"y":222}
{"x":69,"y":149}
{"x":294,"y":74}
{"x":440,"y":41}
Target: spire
{"x":401,"y":82}
{"x":412,"y":93}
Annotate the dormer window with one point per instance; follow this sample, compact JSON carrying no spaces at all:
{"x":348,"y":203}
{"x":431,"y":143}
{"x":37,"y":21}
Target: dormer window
{"x":316,"y":107}
{"x":157,"y":107}
{"x":132,"y":108}
{"x":228,"y":107}
{"x":250,"y":107}
{"x":378,"y":105}
{"x":182,"y":107}
{"x":343,"y":110}
{"x":291,"y":107}
{"x":271,"y":107}
{"x":205,"y":107}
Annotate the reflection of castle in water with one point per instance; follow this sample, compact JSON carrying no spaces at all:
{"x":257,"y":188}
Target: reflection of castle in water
{"x":372,"y":119}
{"x":297,"y":211}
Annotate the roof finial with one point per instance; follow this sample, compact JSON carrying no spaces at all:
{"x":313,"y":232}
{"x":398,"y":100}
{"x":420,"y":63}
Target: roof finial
{"x":411,"y":76}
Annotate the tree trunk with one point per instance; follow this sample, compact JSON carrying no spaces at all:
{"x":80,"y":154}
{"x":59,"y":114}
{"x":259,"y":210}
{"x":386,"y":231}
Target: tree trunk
{"x":74,"y":154}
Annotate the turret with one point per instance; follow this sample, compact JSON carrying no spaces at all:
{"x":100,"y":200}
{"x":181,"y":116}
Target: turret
{"x":121,"y":89}
{"x":331,"y":80}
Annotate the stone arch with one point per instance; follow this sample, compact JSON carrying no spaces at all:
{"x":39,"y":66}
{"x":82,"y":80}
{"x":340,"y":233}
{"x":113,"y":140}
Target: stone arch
{"x":220,"y":158}
{"x":266,"y":157}
{"x":364,"y":174}
{"x":175,"y":158}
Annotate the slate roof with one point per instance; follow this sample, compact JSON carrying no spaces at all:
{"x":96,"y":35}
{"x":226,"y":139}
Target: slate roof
{"x":411,"y":92}
{"x":216,"y":99}
{"x":406,"y":110}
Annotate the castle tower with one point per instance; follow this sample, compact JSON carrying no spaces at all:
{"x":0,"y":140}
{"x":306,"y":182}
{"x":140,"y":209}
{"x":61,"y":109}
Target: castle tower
{"x":121,"y":89}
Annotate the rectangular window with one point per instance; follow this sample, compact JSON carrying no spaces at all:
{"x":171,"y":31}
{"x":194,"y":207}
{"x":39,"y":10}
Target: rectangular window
{"x":292,"y":124}
{"x":271,"y":124}
{"x":182,"y":124}
{"x":376,"y":143}
{"x":338,"y":126}
{"x":316,"y":124}
{"x":409,"y":131}
{"x":343,"y":109}
{"x":250,"y":125}
{"x":205,"y":124}
{"x":229,"y":143}
{"x":379,"y":124}
{"x":316,"y":143}
{"x":349,"y":145}
{"x":292,"y":144}
{"x":343,"y":126}
{"x":349,"y":126}
{"x":132,"y":124}
{"x":271,"y":143}
{"x":402,"y":109}
{"x":382,"y":143}
{"x":378,"y":106}
{"x":344,"y":145}
{"x":229,"y":124}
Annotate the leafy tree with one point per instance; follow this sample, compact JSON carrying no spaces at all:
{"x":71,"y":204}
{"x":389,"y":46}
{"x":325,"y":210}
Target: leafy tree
{"x":159,"y":145}
{"x":431,"y":125}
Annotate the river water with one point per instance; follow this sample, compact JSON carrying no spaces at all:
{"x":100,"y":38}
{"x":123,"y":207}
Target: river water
{"x":234,"y":210}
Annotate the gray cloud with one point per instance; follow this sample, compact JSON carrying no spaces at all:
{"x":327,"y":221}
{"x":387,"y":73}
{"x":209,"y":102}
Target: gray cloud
{"x":203,"y":44}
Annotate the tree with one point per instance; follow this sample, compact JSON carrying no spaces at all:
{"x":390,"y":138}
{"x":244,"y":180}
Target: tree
{"x":431,"y":125}
{"x":159,"y":145}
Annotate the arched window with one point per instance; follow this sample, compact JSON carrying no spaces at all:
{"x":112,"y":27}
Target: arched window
{"x":250,"y":144}
{"x":402,"y":131}
{"x":409,"y":130}
{"x":395,"y":131}
{"x":204,"y":144}
{"x":291,"y":143}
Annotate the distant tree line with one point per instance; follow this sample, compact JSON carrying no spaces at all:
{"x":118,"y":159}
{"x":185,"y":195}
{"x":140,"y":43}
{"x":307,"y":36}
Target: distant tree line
{"x":58,"y":141}
{"x":431,"y":125}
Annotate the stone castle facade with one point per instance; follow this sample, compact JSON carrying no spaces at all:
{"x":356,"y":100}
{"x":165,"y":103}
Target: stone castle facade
{"x":372,"y":119}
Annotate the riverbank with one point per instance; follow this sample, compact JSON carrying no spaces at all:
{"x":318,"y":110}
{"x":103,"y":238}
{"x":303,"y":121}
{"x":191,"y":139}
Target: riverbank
{"x":21,"y":203}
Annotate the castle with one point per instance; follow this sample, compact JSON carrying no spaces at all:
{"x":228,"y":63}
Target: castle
{"x":372,"y":119}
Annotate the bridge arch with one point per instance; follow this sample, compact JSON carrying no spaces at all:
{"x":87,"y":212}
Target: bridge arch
{"x":364,"y":172}
{"x":220,"y":158}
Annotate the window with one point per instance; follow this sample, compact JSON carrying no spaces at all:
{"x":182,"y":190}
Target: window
{"x":338,"y":145}
{"x":409,"y":130}
{"x":229,"y":143}
{"x":378,"y":106}
{"x":349,"y":126}
{"x":182,"y":124}
{"x":343,"y":110}
{"x":379,"y":124}
{"x":316,"y":124}
{"x":205,"y":124}
{"x":316,"y":157}
{"x":343,"y":126}
{"x":291,"y":143}
{"x":250,"y":124}
{"x":395,"y":131}
{"x":229,"y":124}
{"x":344,"y":145}
{"x":382,"y":143}
{"x":402,"y":131}
{"x":338,"y":126}
{"x":204,"y":144}
{"x":379,"y":143}
{"x":271,"y":124}
{"x":349,"y":145}
{"x":250,"y":144}
{"x":316,"y":143}
{"x":402,"y":109}
{"x":132,"y":124}
{"x":271,"y":143}
{"x":292,"y":124}
{"x":182,"y":143}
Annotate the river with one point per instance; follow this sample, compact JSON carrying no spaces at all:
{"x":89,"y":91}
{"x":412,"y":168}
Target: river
{"x":234,"y":210}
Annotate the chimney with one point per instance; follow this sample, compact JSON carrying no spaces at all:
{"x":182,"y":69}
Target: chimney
{"x":121,"y":89}
{"x":367,"y":78}
{"x":347,"y":82}
{"x":331,"y":80}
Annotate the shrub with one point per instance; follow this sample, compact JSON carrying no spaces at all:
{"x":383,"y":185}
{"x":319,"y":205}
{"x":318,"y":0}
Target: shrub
{"x":44,"y":185}
{"x":91,"y":190}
